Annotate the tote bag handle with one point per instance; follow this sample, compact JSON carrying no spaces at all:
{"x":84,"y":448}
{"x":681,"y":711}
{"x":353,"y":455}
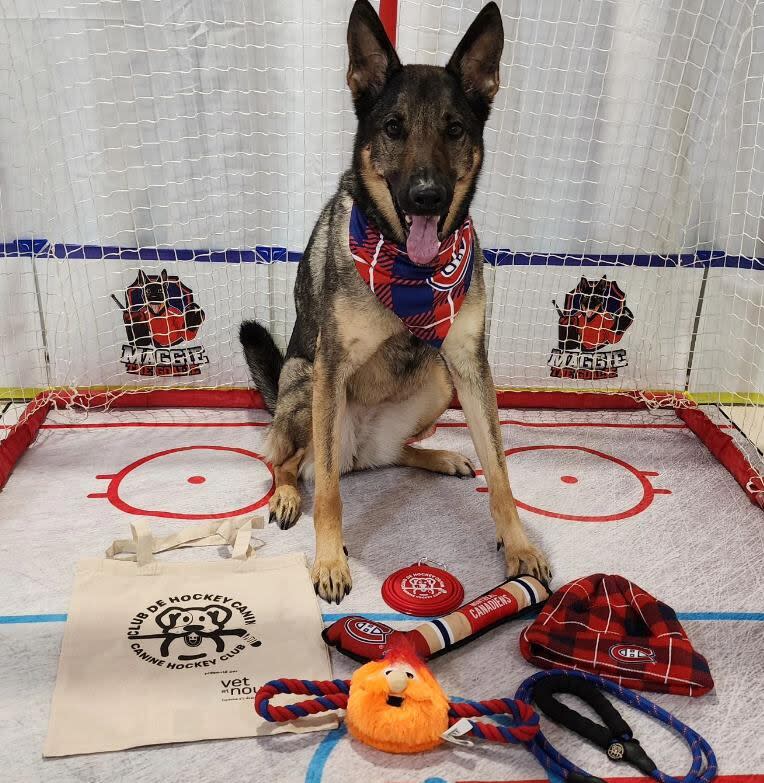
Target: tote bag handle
{"x":142,"y":547}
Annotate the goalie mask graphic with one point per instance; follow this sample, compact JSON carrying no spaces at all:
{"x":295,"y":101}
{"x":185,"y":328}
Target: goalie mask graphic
{"x":594,"y":317}
{"x":159,"y":314}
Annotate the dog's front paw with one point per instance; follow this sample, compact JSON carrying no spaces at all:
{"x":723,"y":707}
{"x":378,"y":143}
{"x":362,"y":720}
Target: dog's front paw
{"x":331,"y":578}
{"x":285,"y":506}
{"x":527,"y":560}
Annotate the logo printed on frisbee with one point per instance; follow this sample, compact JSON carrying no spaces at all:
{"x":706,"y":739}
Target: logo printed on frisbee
{"x":423,"y":585}
{"x":422,"y":590}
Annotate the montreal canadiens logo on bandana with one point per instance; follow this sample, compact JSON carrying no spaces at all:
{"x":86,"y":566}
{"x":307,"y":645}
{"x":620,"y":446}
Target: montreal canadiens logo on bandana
{"x":426,"y":298}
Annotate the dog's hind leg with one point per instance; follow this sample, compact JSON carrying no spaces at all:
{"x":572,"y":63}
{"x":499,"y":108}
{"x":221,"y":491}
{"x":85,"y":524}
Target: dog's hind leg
{"x":288,"y":438}
{"x":393,"y":423}
{"x":285,"y":505}
{"x":450,"y":463}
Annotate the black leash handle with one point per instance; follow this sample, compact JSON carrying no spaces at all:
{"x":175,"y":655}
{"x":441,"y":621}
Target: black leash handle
{"x":615,"y":737}
{"x":603,"y":736}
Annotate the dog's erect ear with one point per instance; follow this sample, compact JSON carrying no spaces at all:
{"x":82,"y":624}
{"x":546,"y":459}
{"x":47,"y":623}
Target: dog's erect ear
{"x":475,"y":62}
{"x":220,"y":615}
{"x":166,"y":619}
{"x":372,"y":57}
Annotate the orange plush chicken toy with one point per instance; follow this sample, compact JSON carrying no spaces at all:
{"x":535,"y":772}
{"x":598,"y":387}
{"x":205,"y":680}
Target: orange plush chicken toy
{"x":395,"y":704}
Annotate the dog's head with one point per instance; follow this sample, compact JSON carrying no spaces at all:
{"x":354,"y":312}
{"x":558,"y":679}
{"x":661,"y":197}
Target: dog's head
{"x":154,"y":290}
{"x":193,"y":622}
{"x":419,"y":145}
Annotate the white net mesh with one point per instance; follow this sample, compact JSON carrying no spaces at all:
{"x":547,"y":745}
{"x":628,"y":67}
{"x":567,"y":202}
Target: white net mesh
{"x":202,"y":138}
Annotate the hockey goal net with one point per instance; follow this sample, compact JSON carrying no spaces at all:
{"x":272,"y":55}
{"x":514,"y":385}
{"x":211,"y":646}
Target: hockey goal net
{"x":165,"y":162}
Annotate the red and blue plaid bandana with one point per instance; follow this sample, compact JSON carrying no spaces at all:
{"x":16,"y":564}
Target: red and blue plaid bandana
{"x":609,"y":626}
{"x":426,"y":298}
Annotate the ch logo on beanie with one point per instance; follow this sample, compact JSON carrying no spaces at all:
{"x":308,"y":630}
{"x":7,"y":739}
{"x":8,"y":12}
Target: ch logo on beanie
{"x":631,"y":653}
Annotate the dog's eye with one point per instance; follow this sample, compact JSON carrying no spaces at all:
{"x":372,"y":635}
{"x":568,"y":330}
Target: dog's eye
{"x":455,"y":130}
{"x":393,"y":129}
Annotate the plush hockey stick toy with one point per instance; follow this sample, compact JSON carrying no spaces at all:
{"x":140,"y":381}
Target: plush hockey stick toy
{"x":366,"y":640}
{"x":396,"y":705}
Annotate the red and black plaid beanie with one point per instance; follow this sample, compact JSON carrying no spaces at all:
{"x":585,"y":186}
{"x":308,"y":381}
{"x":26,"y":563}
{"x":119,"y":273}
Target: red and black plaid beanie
{"x":609,"y":626}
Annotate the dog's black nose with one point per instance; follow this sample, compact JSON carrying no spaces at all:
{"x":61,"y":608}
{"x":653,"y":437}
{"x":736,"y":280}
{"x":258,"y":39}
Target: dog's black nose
{"x":427,"y":195}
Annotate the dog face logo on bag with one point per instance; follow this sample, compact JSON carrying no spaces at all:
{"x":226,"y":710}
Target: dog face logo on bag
{"x":632,"y":653}
{"x":159,"y":315}
{"x":192,"y":631}
{"x":595,"y":316}
{"x":423,"y":586}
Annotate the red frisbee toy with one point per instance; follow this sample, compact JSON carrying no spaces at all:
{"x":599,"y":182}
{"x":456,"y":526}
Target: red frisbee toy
{"x":422,"y":590}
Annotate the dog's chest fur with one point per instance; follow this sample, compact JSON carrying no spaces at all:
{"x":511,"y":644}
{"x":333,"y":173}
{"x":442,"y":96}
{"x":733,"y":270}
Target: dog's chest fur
{"x":396,"y":378}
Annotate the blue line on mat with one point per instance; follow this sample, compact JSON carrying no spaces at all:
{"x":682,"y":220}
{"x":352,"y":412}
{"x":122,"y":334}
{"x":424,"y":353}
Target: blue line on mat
{"x":315,"y":770}
{"x":383,"y":617}
{"x":15,"y":619}
{"x":394,"y":617}
{"x":267,"y":254}
{"x":755,"y":616}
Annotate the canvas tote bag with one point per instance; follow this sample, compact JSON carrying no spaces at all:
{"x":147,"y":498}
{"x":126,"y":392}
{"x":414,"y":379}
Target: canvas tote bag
{"x":156,"y":652}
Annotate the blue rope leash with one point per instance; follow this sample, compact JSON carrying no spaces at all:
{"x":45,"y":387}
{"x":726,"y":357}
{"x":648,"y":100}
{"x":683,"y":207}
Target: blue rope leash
{"x":702,"y":770}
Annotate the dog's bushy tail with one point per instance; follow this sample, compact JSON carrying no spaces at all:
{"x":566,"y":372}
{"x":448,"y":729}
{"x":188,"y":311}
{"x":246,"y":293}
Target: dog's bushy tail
{"x":264,"y":360}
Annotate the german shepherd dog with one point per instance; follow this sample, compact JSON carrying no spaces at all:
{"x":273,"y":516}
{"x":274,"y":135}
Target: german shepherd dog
{"x":356,"y":387}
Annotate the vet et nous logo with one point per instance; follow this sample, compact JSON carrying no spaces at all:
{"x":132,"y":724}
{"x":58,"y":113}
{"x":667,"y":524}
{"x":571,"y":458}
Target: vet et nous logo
{"x":594,"y":317}
{"x":191,"y":631}
{"x":632,"y":653}
{"x":160,"y":314}
{"x":423,"y":585}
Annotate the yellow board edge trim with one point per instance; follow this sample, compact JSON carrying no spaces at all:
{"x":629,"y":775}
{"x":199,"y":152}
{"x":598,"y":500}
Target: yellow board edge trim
{"x":30,"y":392}
{"x":8,"y":393}
{"x":727,"y":398}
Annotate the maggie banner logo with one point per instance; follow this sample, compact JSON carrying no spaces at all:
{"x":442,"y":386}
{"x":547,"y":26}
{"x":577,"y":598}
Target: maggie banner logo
{"x":594,"y":317}
{"x":191,"y":631}
{"x":159,"y":314}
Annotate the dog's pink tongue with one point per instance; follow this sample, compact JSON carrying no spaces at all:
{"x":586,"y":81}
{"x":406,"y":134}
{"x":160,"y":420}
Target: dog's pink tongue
{"x":422,"y":244}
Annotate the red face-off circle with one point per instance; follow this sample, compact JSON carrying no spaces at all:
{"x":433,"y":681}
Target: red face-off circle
{"x":184,"y":494}
{"x":422,"y":591}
